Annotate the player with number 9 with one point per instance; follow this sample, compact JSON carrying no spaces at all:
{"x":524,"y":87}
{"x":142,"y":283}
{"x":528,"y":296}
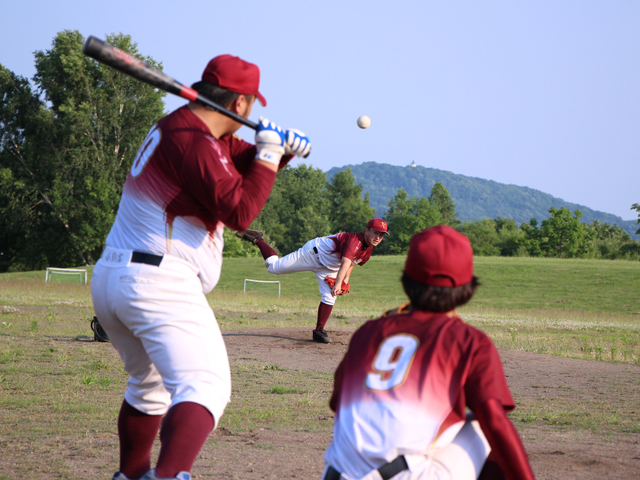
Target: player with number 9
{"x":403,"y":387}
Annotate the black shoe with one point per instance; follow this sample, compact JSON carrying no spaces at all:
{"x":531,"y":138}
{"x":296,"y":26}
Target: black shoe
{"x":250,"y":236}
{"x":99,"y":335}
{"x":321,"y":336}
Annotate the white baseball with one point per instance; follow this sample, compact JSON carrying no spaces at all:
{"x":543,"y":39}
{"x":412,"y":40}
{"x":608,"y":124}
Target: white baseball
{"x":364,"y":121}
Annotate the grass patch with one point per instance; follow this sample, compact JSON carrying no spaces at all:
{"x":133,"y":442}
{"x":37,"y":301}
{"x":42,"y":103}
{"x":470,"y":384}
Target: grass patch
{"x":278,"y":399}
{"x":59,"y":391}
{"x":573,"y":308}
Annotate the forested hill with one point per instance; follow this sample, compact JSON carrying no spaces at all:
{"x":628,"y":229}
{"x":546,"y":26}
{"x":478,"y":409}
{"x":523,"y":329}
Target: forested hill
{"x":475,"y":198}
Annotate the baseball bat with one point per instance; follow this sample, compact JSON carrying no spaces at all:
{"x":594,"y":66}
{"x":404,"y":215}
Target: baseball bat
{"x":127,"y":63}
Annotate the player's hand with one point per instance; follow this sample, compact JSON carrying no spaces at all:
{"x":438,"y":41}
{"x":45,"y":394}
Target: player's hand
{"x":270,"y":141}
{"x":335,"y":290}
{"x":296,"y":143}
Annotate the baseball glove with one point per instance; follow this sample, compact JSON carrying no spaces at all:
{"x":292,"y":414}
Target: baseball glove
{"x":331,"y":281}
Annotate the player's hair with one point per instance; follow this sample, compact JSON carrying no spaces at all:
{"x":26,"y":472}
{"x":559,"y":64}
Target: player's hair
{"x":221,"y":96}
{"x":437,"y":299}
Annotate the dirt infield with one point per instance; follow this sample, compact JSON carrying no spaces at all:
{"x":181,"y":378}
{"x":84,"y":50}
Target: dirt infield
{"x":561,"y":402}
{"x":555,"y":452}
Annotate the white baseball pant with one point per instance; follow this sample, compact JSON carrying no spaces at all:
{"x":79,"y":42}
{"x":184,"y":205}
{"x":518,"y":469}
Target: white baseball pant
{"x":160,"y":323}
{"x":462,"y":459}
{"x":305,"y":259}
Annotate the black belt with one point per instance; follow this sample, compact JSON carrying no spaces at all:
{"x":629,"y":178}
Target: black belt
{"x":387,"y":470}
{"x":148,"y":258}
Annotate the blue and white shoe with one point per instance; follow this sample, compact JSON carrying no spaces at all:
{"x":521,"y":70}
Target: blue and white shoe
{"x":151,"y":475}
{"x":120,"y":476}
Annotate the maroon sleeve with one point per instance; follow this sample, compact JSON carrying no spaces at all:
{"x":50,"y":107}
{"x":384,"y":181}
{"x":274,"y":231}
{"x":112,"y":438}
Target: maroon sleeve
{"x":506,"y":447}
{"x":284,"y":161}
{"x":243,"y":154}
{"x":486,"y":379}
{"x":337,"y":387}
{"x":349,"y":245}
{"x":234,"y":199}
{"x":366,"y":256}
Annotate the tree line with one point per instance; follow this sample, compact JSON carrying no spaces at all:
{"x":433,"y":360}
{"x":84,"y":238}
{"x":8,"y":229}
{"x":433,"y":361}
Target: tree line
{"x":68,"y":137}
{"x":67,"y":140}
{"x":562,"y":235}
{"x":474,"y":197}
{"x":305,"y":205}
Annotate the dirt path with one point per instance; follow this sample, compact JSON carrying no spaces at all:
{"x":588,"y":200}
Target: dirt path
{"x":554,"y":453}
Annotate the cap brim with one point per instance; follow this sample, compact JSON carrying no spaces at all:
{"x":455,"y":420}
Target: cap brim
{"x":261,"y":99}
{"x":382,"y":231}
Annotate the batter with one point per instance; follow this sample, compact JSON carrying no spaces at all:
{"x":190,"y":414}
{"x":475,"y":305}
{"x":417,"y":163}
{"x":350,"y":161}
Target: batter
{"x":403,"y":387}
{"x":190,"y":178}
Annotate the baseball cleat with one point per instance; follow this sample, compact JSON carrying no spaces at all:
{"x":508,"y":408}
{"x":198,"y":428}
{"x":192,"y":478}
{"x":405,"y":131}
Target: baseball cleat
{"x":151,"y":475}
{"x":250,"y":235}
{"x":120,"y":476}
{"x":321,"y":336}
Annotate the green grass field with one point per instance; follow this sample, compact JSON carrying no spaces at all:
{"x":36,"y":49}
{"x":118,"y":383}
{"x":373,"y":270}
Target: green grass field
{"x":574,"y":308}
{"x":53,"y":378}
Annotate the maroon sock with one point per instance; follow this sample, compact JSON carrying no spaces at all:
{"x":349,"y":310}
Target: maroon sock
{"x":137,"y":431}
{"x":184,"y":431}
{"x":324,"y":312}
{"x":265,"y":249}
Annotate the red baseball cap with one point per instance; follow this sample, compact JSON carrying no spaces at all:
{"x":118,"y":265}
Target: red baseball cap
{"x":234,"y":74}
{"x":441,"y":257}
{"x":378,"y":224}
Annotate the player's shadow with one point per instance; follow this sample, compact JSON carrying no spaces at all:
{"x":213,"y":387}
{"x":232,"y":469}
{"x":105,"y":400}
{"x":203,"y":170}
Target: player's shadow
{"x":265,"y":335}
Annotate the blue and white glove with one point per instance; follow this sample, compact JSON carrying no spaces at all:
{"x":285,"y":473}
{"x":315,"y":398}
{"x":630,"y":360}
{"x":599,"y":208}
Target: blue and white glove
{"x":296,"y":143}
{"x":270,"y":142}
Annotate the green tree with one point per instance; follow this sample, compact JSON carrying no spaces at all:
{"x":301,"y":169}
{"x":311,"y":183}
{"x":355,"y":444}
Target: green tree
{"x":495,"y":237}
{"x":563,"y":235}
{"x":19,"y":107}
{"x":611,"y":242}
{"x":636,"y":207}
{"x":532,"y":238}
{"x":442,"y":201}
{"x":68,"y":148}
{"x":348,"y":211}
{"x":407,"y":216}
{"x":296,"y":210}
{"x":483,"y":236}
{"x":511,"y":240}
{"x":235,"y":247}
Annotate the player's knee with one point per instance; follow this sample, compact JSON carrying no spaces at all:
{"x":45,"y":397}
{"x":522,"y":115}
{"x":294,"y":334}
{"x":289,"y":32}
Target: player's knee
{"x":272,"y":265}
{"x":328,"y":299}
{"x":152,"y":399}
{"x":211,"y":391}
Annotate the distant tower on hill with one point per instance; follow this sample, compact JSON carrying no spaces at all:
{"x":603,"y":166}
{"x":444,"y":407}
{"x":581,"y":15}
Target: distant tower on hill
{"x":413,"y":164}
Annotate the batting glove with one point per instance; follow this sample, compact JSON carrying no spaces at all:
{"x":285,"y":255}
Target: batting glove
{"x":270,"y":141}
{"x":297,"y":143}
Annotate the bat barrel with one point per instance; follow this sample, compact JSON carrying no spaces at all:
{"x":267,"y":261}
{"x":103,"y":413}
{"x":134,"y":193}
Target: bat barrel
{"x":126,"y":63}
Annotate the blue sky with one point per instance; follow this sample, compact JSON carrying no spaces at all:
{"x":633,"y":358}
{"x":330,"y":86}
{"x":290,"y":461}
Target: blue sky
{"x":541,"y":94}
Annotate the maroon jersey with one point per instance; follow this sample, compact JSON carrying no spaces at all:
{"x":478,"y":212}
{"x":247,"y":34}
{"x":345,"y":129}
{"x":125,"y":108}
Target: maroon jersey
{"x":404,"y":384}
{"x":333,"y":248}
{"x":182,"y":187}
